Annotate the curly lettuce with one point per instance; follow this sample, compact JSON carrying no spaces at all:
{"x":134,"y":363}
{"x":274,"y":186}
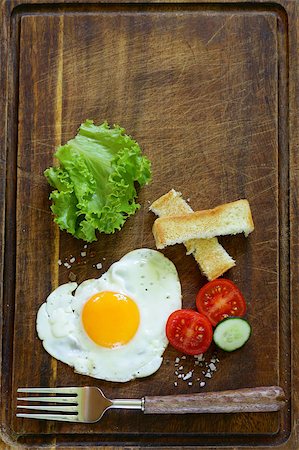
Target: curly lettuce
{"x":95,"y":182}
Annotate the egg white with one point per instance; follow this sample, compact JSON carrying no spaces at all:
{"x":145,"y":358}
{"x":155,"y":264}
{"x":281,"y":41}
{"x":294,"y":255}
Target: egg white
{"x":145,"y":275}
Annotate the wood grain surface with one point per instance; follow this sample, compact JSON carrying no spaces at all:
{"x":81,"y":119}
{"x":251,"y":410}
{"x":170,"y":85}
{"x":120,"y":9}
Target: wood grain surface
{"x":259,"y":399}
{"x":210,"y":93}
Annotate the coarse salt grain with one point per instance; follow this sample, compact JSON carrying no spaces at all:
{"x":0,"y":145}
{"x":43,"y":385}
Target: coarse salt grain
{"x":83,"y":254}
{"x":59,"y":262}
{"x":99,"y":266}
{"x":212,"y":366}
{"x":180,"y":368}
{"x":202,"y":384}
{"x":208,"y":375}
{"x":188,"y":375}
{"x":85,"y":246}
{"x":177,"y":359}
{"x":183,"y":357}
{"x":72,"y":260}
{"x":72,"y":276}
{"x":175,"y":383}
{"x":190,"y":383}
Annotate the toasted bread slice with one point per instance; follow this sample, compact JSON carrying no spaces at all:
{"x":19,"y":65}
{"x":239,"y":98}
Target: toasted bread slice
{"x":230,"y":218}
{"x":171,"y":204}
{"x":211,"y":257}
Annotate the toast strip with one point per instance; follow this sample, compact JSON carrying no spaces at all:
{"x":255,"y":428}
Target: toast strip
{"x":230,"y":218}
{"x":211,"y":257}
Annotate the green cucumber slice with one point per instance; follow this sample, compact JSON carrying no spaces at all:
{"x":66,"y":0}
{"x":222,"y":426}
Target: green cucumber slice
{"x":232,"y":333}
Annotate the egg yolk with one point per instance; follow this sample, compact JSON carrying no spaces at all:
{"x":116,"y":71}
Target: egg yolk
{"x":110,"y":319}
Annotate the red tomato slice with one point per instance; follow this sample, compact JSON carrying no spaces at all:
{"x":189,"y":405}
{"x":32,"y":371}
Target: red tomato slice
{"x":219,"y":299}
{"x":189,"y":332}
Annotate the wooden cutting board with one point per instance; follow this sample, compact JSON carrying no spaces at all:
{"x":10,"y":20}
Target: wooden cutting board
{"x":210,"y":92}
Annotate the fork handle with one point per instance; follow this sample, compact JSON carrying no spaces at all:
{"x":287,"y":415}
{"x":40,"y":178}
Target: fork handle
{"x":259,"y":399}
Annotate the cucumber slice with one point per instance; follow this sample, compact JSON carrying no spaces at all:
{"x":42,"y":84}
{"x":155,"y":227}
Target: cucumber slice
{"x":232,"y":333}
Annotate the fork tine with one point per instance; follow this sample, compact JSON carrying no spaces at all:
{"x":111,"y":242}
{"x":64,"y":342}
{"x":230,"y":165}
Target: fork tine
{"x":62,"y":390}
{"x":65,"y":408}
{"x":60,"y":417}
{"x":50,"y":399}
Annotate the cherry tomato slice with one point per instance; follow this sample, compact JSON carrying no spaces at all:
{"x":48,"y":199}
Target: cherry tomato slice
{"x":219,"y":299}
{"x":189,"y":332}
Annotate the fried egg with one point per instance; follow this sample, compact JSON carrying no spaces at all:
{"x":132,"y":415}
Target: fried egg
{"x":113,"y":327}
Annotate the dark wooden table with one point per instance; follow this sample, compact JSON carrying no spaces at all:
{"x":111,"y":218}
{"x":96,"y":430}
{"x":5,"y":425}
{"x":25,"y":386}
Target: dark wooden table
{"x":210,"y":91}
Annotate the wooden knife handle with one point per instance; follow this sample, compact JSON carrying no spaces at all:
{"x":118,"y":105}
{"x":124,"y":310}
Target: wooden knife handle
{"x":259,"y":399}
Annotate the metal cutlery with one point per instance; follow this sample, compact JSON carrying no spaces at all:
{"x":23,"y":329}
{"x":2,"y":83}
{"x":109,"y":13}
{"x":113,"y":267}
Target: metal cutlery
{"x":88,"y":404}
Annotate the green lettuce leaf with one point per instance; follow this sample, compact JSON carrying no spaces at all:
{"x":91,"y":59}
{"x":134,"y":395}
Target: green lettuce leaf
{"x":95,"y":183}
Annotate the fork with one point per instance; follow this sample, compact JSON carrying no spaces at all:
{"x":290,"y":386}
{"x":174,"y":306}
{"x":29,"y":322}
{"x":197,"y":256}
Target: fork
{"x":88,"y":404}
